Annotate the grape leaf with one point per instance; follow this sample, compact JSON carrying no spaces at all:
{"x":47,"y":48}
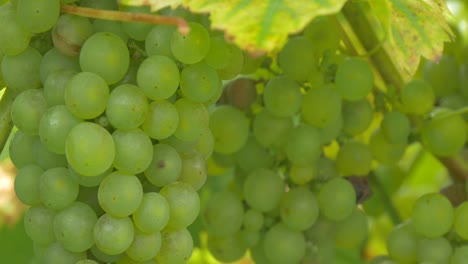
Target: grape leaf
{"x":259,"y":26}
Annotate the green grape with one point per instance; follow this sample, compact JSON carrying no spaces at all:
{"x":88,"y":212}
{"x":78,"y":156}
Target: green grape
{"x":181,"y":146}
{"x":263,"y":189}
{"x":54,"y":126}
{"x":282,"y":245}
{"x":432,"y":215}
{"x":27,"y":184}
{"x":89,"y":181}
{"x":176,"y":247}
{"x":205,"y":144}
{"x":434,"y":250}
{"x":86,"y":95}
{"x":38,"y":224}
{"x":271,"y":131}
{"x":54,"y":86}
{"x":253,"y":156}
{"x":257,"y":253}
{"x":321,"y":106}
{"x":357,"y":116}
{"x":184,"y":204}
{"x":194,"y":169}
{"x":354,"y":79}
{"x":158,"y":76}
{"x":57,"y":189}
{"x":443,"y":75}
{"x":326,"y":169}
{"x":45,"y":158}
{"x":165,"y":167}
{"x":20,"y":149}
{"x":105,"y":54}
{"x":282,"y":97}
{"x":162,"y":120}
{"x":86,"y":261}
{"x":417,"y":97}
{"x":158,"y":40}
{"x":127,"y":107}
{"x":354,"y":158}
{"x":396,"y":127}
{"x":144,"y":246}
{"x":250,"y":238}
{"x":73,"y":227}
{"x":192,"y":47}
{"x":235,"y":63}
{"x":153,"y":213}
{"x":337,"y":199}
{"x":230,"y":129}
{"x":332,"y":130}
{"x":101,"y":25}
{"x":70,"y":33}
{"x":55,"y":253}
{"x":304,"y":145}
{"x":384,"y":151}
{"x":227,"y":248}
{"x":460,"y":255}
{"x":54,"y":61}
{"x":218,"y":55}
{"x":90,"y":149}
{"x":193,"y":120}
{"x":137,"y":30}
{"x":461,"y":220}
{"x":133,"y":150}
{"x":223,"y":214}
{"x":444,"y":136}
{"x":113,"y":235}
{"x":15,"y":39}
{"x":323,"y":33}
{"x":298,"y":49}
{"x":402,"y":244}
{"x":253,"y":220}
{"x":37,"y":16}
{"x":302,"y":174}
{"x":352,"y":231}
{"x":198,"y":82}
{"x":101,"y":256}
{"x":21,"y":71}
{"x":27,"y":110}
{"x":299,"y":209}
{"x":120,"y":194}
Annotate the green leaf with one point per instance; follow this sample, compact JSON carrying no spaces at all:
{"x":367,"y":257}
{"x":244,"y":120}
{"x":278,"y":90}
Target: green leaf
{"x":259,"y":26}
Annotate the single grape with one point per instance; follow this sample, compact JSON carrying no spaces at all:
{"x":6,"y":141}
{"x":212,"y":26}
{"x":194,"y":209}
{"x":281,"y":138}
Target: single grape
{"x":304,"y":145}
{"x":37,"y":16}
{"x":55,"y":253}
{"x":230,"y":129}
{"x":402,"y":243}
{"x":443,"y":75}
{"x":354,"y":158}
{"x":298,"y":49}
{"x":352,"y":231}
{"x":144,"y":246}
{"x":193,"y":119}
{"x":176,"y":247}
{"x":21,"y":71}
{"x":417,"y":97}
{"x":70,"y":33}
{"x":153,"y":213}
{"x":357,"y":116}
{"x":302,"y":174}
{"x":337,"y":199}
{"x":205,"y":144}
{"x":136,"y":30}
{"x":158,"y":40}
{"x":432,"y":215}
{"x":282,"y":97}
{"x":263,"y":189}
{"x":57,"y":189}
{"x":158,"y":76}
{"x":460,"y":222}
{"x":184,"y":204}
{"x":226,"y":248}
{"x":27,"y":110}
{"x":354,"y":79}
{"x":434,"y":250}
{"x":27,"y":184}
{"x":253,"y":155}
{"x":38,"y":224}
{"x":53,"y":61}
{"x":133,"y":150}
{"x":45,"y":158}
{"x":15,"y":39}
{"x":384,"y":151}
{"x":253,"y":220}
{"x":235,"y":61}
{"x":299,"y":209}
{"x":54,"y":86}
{"x":127,"y":107}
{"x":199,"y":82}
{"x":194,"y":169}
{"x":283,"y":245}
{"x":162,"y":120}
{"x":113,"y":235}
{"x":223,"y":214}
{"x":396,"y":127}
{"x":218,"y":55}
{"x":321,"y":106}
{"x":165,"y":167}
{"x":271,"y":131}
{"x":192,"y":47}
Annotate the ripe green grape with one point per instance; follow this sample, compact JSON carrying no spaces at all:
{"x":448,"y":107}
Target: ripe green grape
{"x":37,"y":16}
{"x":352,"y":231}
{"x":223,"y":214}
{"x":354,"y":79}
{"x":271,"y":131}
{"x":337,"y":199}
{"x":332,"y":130}
{"x":298,"y":49}
{"x":113,"y":235}
{"x":165,"y":167}
{"x":73,"y":227}
{"x":235,"y":62}
{"x":21,"y":71}
{"x":70,"y":33}
{"x":218,"y":55}
{"x":396,"y":127}
{"x":176,"y":247}
{"x":120,"y":194}
{"x":105,"y":54}
{"x":158,"y":76}
{"x":282,"y":97}
{"x":304,"y":145}
{"x":38,"y":224}
{"x":184,"y":204}
{"x":253,"y":220}
{"x":133,"y":150}
{"x":104,"y":257}
{"x":230,"y":129}
{"x":54,"y":127}
{"x":321,"y":106}
{"x":27,"y":184}
{"x":127,"y":107}
{"x":461,"y":220}
{"x":53,"y":61}
{"x":45,"y":158}
{"x":90,"y":149}
{"x":402,"y":243}
{"x":253,"y":155}
{"x":15,"y":39}
{"x":194,"y":169}
{"x":226,"y":248}
{"x":205,"y":144}
{"x":193,"y":120}
{"x":161,"y":120}
{"x":417,"y":97}
{"x":86,"y":95}
{"x":299,"y":209}
{"x":199,"y":82}
{"x":27,"y":110}
{"x":302,"y":174}
{"x":263,"y":189}
{"x":432,"y":215}
{"x":101,"y":25}
{"x":54,"y":86}
{"x":144,"y":246}
{"x":192,"y":47}
{"x":153,"y":213}
{"x":57,"y":189}
{"x":158,"y":40}
{"x":323,"y":33}
{"x":384,"y":151}
{"x":55,"y":253}
{"x":283,"y":245}
{"x":354,"y":158}
{"x":443,"y":75}
{"x":434,"y":250}
{"x":20,"y":149}
{"x":357,"y":116}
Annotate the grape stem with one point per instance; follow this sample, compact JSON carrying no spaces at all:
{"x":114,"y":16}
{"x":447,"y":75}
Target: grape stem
{"x":460,"y":111}
{"x":6,"y":124}
{"x":386,"y":200}
{"x":127,"y":16}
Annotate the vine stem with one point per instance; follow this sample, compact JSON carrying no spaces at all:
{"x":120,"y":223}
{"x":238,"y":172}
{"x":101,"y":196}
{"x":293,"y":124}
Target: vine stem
{"x":460,"y":111}
{"x":127,"y":16}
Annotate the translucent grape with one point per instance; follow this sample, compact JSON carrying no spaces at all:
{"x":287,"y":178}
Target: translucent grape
{"x":321,"y":106}
{"x":417,"y":97}
{"x":113,"y":235}
{"x":21,"y":71}
{"x":127,"y":107}
{"x":304,"y":145}
{"x":57,"y":189}
{"x":299,"y":209}
{"x":133,"y":150}
{"x":70,"y":33}
{"x":205,"y":144}
{"x":193,"y":120}
{"x":354,"y":79}
{"x":37,"y":16}
{"x":436,"y":250}
{"x":176,"y":247}
{"x":263,"y":189}
{"x":38,"y":224}
{"x":153,"y":213}
{"x":199,"y":82}
{"x":15,"y":39}
{"x":357,"y":116}
{"x":283,"y":245}
{"x":354,"y":158}
{"x":432,"y":215}
{"x":194,"y":169}
{"x":240,"y":93}
{"x":235,"y":60}
{"x":165,"y":167}
{"x":226,"y":248}
{"x":223,"y":214}
{"x":218,"y":55}
{"x":158,"y":40}
{"x":192,"y":47}
{"x":337,"y":199}
{"x":144,"y":246}
{"x":27,"y":110}
{"x":297,"y":49}
{"x":158,"y":76}
{"x":184,"y":204}
{"x":282,"y":97}
{"x":162,"y":120}
{"x":27,"y":184}
{"x":20,"y":149}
